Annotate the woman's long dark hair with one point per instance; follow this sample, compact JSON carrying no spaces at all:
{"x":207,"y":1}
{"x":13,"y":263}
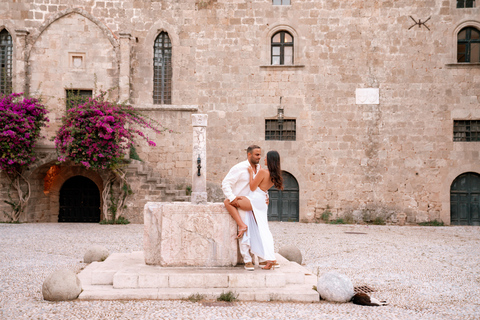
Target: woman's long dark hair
{"x":273,"y":163}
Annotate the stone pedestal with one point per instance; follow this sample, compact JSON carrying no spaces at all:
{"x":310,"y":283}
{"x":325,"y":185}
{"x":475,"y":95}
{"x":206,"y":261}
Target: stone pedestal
{"x":184,"y":234}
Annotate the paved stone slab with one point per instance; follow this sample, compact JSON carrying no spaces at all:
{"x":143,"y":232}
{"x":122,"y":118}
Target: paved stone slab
{"x":126,"y":276}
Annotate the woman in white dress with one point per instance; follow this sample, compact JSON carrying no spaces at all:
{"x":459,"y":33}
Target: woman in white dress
{"x":259,"y":235}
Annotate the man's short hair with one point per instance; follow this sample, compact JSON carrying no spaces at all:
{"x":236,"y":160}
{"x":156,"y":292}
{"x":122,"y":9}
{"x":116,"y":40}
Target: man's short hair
{"x":252,"y":147}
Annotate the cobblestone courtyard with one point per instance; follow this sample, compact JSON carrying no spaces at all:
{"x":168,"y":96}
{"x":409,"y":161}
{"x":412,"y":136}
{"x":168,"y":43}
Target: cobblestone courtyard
{"x":422,"y":272}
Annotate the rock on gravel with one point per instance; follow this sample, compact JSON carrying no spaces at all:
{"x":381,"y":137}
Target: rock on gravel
{"x":291,"y":253}
{"x":95,"y":253}
{"x":61,"y":285}
{"x":336,"y":287}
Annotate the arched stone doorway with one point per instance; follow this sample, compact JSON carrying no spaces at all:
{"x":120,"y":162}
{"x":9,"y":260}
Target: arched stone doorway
{"x":284,"y":203}
{"x":79,"y":201}
{"x":465,"y":200}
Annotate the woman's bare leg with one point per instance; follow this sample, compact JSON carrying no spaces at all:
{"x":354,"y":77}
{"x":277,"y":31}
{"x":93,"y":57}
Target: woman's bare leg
{"x":244,"y":204}
{"x":235,"y":215}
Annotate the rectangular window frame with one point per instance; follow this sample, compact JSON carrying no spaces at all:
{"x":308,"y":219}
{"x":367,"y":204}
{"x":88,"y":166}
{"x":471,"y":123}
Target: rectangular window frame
{"x":466,"y":130}
{"x":280,"y":130}
{"x":82,"y":94}
{"x":466,"y":4}
{"x":281,"y":2}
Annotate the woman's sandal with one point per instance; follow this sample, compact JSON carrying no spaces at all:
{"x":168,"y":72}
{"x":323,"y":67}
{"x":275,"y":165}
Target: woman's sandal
{"x":269,"y":265}
{"x":241,"y":232}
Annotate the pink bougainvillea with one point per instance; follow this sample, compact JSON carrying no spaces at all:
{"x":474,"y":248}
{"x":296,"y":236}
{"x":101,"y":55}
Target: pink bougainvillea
{"x":97,"y":133}
{"x":21,"y":120}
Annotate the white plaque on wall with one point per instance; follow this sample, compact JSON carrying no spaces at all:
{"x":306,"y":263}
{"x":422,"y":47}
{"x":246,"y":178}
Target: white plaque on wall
{"x":367,"y":96}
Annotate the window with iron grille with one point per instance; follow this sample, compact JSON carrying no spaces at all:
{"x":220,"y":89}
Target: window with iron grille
{"x":280,"y":129}
{"x":282,"y":48}
{"x":468,"y":45}
{"x":281,"y":2}
{"x":6,"y":53}
{"x":162,"y":70}
{"x":76,"y":97}
{"x":465,"y":3}
{"x":466,"y":130}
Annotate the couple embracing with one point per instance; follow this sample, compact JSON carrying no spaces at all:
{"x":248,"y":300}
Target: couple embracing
{"x":246,"y":190}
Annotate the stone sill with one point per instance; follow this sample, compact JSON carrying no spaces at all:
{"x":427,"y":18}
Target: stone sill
{"x":283,"y":67}
{"x":465,"y":65}
{"x":162,"y":107}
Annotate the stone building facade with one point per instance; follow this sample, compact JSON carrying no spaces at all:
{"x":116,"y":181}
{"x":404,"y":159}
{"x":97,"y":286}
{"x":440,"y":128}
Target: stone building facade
{"x":374,"y":89}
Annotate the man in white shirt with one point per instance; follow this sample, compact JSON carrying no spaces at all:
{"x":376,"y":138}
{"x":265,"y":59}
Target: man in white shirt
{"x":236,"y":184}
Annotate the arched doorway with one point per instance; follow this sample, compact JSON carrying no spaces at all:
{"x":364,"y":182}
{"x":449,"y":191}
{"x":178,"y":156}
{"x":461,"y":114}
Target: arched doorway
{"x":79,"y":201}
{"x":284,"y":203}
{"x":464,"y":200}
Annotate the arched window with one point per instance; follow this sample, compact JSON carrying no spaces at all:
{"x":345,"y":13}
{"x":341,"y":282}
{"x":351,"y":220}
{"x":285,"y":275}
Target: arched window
{"x":162,"y":70}
{"x":6,"y":53}
{"x":282,"y":48}
{"x":468,"y":45}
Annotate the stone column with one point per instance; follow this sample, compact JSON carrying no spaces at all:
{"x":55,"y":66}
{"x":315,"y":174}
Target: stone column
{"x":124,"y":79}
{"x":199,"y":182}
{"x":20,"y":80}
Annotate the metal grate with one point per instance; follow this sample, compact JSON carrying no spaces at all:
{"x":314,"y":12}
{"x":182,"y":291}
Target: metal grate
{"x":6,"y":53}
{"x":363,"y":289}
{"x":466,"y":130}
{"x":465,"y":3}
{"x":162,"y":70}
{"x":280,"y":129}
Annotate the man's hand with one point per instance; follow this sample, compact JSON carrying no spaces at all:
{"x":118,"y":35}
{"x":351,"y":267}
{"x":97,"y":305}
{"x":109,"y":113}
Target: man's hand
{"x":234,"y":202}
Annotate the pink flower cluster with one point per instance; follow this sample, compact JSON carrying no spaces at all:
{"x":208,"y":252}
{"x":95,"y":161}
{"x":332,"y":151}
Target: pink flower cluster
{"x":97,"y":133}
{"x":21,"y":120}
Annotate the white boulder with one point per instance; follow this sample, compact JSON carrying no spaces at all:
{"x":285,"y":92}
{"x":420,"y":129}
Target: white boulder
{"x":61,"y":285}
{"x":336,"y":287}
{"x":291,"y":253}
{"x":96,"y":253}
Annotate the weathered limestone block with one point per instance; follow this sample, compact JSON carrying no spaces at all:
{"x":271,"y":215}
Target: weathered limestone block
{"x":184,"y":234}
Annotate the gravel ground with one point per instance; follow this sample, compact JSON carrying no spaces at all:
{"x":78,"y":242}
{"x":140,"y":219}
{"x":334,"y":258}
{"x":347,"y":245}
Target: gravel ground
{"x":422,"y":272}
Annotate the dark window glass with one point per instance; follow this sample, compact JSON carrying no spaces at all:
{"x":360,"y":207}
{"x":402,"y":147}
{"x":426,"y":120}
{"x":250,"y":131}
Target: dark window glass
{"x":468,"y":45}
{"x":282,"y":48}
{"x":466,"y":130}
{"x":6,"y":53}
{"x":76,"y":97}
{"x":280,"y":129}
{"x":465,"y":3}
{"x":162,"y":70}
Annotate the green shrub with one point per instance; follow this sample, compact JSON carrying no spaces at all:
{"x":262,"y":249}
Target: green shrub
{"x":326,"y":214}
{"x":229,"y":296}
{"x":338,"y":221}
{"x":120,"y":220}
{"x":434,"y":223}
{"x":195,"y":297}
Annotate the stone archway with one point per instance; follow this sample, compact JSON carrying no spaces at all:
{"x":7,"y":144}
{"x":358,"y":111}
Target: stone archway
{"x":44,"y":204}
{"x":284,"y":204}
{"x":79,"y":201}
{"x":465,"y":200}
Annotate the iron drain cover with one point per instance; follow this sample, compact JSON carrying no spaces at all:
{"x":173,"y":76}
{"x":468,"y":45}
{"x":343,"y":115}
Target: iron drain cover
{"x":363,"y":289}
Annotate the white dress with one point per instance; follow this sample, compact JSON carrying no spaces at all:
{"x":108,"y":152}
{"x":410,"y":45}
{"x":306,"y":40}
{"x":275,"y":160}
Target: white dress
{"x":258,"y":234}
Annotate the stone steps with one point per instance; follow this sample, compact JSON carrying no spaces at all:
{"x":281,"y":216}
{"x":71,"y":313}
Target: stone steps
{"x":126,"y":276}
{"x":153,"y":181}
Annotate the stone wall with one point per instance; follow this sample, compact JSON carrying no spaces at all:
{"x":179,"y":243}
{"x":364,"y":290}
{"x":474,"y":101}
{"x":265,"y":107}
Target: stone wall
{"x":383,"y":159}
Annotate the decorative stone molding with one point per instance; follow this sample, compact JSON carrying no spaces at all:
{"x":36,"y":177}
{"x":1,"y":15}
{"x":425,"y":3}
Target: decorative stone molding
{"x":367,"y":96}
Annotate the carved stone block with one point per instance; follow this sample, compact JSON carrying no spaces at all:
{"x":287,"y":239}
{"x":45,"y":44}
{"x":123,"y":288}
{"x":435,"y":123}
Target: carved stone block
{"x":185,"y":234}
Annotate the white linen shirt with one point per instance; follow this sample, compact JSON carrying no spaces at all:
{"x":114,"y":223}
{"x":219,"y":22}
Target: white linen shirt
{"x":237,"y":181}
